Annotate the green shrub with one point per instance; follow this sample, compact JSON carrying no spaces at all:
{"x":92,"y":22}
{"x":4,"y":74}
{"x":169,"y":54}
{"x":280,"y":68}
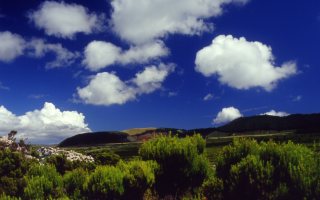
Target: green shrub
{"x":43,"y":182}
{"x":74,"y":183}
{"x":106,"y":182}
{"x":182,"y":163}
{"x":13,"y":167}
{"x":212,"y":188}
{"x":268,"y":170}
{"x":103,"y":157}
{"x":138,"y":177}
{"x":5,"y":197}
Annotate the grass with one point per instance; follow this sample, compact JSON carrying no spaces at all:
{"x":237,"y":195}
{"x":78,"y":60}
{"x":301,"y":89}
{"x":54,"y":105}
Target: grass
{"x":135,"y":131}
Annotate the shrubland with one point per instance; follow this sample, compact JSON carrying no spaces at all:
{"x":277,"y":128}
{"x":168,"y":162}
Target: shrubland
{"x":169,"y":167}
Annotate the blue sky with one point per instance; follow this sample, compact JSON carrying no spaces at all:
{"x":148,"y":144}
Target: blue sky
{"x":68,"y":67}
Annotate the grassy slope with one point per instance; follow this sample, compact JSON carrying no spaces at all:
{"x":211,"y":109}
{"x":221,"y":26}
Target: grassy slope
{"x":135,"y":131}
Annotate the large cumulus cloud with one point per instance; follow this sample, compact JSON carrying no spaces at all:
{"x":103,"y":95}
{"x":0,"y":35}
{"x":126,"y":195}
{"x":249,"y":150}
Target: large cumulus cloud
{"x":242,"y":64}
{"x":47,"y":125}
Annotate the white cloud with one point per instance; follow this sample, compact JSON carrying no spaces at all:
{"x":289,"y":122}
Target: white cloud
{"x":151,"y":78}
{"x":227,"y":115}
{"x":140,"y":21}
{"x":63,"y":57}
{"x":144,"y":53}
{"x":99,"y":54}
{"x":65,"y":20}
{"x":242,"y":64}
{"x":48,"y":125}
{"x":275,"y":113}
{"x":12,"y":46}
{"x":108,"y":89}
{"x":208,"y":97}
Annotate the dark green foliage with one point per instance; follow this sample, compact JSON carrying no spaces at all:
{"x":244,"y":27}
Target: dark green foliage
{"x":104,"y":157}
{"x":138,"y":177}
{"x":106,"y":182}
{"x":13,"y":167}
{"x":183,"y":165}
{"x":212,"y":188}
{"x":75,"y":183}
{"x":5,"y":197}
{"x":268,"y":170}
{"x":127,"y":180}
{"x":43,"y":182}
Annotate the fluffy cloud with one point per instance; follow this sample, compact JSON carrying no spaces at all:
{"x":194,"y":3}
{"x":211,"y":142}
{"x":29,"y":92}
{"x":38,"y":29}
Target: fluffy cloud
{"x":227,"y":115}
{"x":65,"y":20}
{"x":48,"y":125}
{"x":12,"y":46}
{"x":64,"y":57}
{"x":242,"y":64}
{"x":151,"y":78}
{"x":108,"y":89}
{"x":275,"y":113}
{"x":140,"y":21}
{"x":99,"y":54}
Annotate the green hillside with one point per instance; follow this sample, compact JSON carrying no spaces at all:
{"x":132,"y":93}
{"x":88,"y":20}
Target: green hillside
{"x":255,"y":125}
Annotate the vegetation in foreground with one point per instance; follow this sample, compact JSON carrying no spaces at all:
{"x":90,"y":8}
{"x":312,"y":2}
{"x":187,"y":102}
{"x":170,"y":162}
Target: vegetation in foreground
{"x":169,"y":167}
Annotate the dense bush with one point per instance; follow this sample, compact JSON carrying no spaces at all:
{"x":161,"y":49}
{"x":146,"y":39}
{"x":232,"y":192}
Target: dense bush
{"x":183,"y":165}
{"x":5,"y":197}
{"x":212,"y":188}
{"x":13,"y":167}
{"x":43,"y":182}
{"x":138,"y":177}
{"x":127,"y":180}
{"x":103,"y":157}
{"x":106,"y":182}
{"x":268,"y":170}
{"x":75,"y":182}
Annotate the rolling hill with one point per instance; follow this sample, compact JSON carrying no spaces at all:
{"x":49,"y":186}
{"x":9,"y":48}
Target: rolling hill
{"x":306,"y":123}
{"x":87,"y":139}
{"x":298,"y":123}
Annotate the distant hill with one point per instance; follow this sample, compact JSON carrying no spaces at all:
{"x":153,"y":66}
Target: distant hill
{"x":300,"y":123}
{"x":87,"y":139}
{"x":131,"y":135}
